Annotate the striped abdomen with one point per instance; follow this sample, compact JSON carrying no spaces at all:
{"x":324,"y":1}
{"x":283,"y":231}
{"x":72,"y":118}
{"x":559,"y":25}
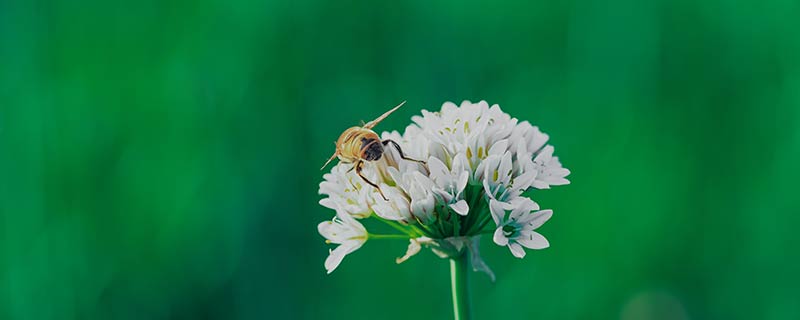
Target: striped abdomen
{"x":358,"y":143}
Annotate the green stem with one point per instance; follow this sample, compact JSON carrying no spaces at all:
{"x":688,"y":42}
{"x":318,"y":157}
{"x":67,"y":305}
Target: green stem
{"x":421,"y":230}
{"x":483,"y":217}
{"x":459,"y":271}
{"x":397,"y":226}
{"x":482,"y":224}
{"x":387,"y":236}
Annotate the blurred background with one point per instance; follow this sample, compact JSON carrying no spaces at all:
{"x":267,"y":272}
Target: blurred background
{"x":160,"y":159}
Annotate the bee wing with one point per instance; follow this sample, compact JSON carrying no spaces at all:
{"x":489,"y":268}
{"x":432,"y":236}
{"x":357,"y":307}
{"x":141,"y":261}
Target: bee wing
{"x":375,"y":122}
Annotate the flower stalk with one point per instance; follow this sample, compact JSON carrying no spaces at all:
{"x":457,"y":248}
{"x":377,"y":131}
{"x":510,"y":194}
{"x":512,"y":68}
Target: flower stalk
{"x":459,"y":284}
{"x":387,"y":236}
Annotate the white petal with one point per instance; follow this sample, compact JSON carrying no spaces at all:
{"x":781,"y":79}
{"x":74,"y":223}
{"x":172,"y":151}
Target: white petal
{"x":498,"y":213}
{"x":559,"y":182}
{"x":395,"y":174}
{"x":499,"y":147}
{"x":516,"y":250}
{"x":488,"y":189}
{"x":460,"y":163}
{"x":336,"y":256}
{"x":351,"y":222}
{"x":519,"y":142}
{"x":442,"y":193}
{"x":422,"y":206}
{"x":461,"y":207}
{"x":536,"y":219}
{"x":536,"y":139}
{"x":462,"y":182}
{"x":439,"y":171}
{"x":324,"y":229}
{"x":449,"y":107}
{"x":499,"y":237}
{"x":533,"y":240}
{"x":521,"y":207}
{"x":328,"y":203}
{"x":487,"y":167}
{"x":387,"y":210}
{"x":504,"y":170}
{"x":544,"y":155}
{"x":540,"y":185}
{"x":525,"y":180}
{"x":423,"y":180}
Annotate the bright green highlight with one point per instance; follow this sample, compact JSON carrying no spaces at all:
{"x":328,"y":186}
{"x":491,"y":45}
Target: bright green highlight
{"x":459,"y":285}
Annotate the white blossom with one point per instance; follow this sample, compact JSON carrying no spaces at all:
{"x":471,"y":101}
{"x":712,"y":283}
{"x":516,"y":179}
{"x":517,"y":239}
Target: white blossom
{"x":450,"y":182}
{"x":515,"y":229}
{"x":396,"y":208}
{"x":479,"y":162}
{"x":345,"y":231}
{"x":549,"y":170}
{"x":346,"y":190}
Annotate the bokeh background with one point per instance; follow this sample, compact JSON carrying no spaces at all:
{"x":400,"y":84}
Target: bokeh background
{"x":159,"y":159}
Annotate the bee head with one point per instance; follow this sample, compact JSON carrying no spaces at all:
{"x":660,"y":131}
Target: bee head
{"x":371,"y":149}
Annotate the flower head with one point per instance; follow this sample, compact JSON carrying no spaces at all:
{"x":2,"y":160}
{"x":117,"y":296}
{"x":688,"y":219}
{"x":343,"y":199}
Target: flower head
{"x":478,"y":162}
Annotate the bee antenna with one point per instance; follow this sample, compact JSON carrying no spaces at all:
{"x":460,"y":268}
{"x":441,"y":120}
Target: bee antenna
{"x":329,"y":160}
{"x":375,"y":122}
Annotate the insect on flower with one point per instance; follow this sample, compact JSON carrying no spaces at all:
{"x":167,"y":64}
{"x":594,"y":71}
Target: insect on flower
{"x":358,"y":145}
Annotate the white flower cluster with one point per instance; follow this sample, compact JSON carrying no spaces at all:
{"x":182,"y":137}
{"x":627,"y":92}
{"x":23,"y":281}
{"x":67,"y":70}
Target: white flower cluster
{"x":479,"y":161}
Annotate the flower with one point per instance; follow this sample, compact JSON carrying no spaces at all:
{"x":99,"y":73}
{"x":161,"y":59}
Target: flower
{"x":548,"y":170}
{"x":346,"y":191}
{"x":450,"y":182}
{"x":397,"y":208}
{"x":345,"y":231}
{"x":515,"y":229}
{"x":479,"y":162}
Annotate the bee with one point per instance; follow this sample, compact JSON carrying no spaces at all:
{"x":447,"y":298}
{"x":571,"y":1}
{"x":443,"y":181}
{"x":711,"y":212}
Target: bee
{"x":358,"y":145}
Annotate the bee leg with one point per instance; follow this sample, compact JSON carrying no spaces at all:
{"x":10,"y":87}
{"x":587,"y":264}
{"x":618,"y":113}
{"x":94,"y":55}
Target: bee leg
{"x":359,"y":165}
{"x":402,"y":155}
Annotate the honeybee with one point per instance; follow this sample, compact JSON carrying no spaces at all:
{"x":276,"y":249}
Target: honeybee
{"x":358,"y":145}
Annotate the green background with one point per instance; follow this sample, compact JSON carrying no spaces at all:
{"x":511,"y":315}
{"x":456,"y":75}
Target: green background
{"x":160,"y":159}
